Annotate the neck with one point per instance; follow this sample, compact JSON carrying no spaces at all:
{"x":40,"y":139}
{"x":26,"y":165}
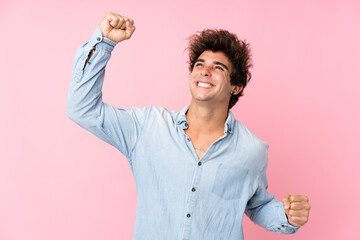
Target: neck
{"x":204,"y":118}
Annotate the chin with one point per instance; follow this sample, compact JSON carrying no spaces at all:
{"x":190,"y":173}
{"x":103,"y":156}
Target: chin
{"x":200,"y":97}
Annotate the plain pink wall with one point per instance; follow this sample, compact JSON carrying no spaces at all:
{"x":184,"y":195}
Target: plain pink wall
{"x":58,"y":181}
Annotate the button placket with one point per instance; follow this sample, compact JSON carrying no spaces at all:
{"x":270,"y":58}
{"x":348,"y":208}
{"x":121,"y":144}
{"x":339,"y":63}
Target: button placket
{"x":188,"y":140}
{"x":192,"y":200}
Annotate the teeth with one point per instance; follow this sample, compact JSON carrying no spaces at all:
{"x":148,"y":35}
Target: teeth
{"x":200,"y":84}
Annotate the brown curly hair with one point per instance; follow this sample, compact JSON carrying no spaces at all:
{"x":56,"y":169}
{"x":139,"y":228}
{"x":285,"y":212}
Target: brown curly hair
{"x":237,"y":51}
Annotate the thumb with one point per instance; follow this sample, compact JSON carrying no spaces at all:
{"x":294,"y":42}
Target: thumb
{"x":286,"y":202}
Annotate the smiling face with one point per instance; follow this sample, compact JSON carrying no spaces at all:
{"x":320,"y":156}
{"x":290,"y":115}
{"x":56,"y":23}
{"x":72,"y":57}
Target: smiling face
{"x":210,"y":79}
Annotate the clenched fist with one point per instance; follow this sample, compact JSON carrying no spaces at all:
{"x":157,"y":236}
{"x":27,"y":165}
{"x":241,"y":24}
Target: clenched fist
{"x":116,"y":28}
{"x":297,"y":209}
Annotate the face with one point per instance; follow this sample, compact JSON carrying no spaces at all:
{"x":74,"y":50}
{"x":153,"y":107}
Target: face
{"x":210,"y":79}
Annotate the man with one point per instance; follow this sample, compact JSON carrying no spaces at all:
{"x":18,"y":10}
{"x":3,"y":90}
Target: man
{"x":198,"y":170}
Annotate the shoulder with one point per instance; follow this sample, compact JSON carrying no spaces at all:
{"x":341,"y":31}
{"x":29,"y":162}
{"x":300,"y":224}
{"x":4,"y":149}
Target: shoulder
{"x":148,"y":109}
{"x":154,"y":113}
{"x":252,"y":143}
{"x":244,"y":132}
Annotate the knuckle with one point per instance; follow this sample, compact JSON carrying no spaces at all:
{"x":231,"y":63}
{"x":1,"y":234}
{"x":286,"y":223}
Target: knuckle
{"x":292,"y":218}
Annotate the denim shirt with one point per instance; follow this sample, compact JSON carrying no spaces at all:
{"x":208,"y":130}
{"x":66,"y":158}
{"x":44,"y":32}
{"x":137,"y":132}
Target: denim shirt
{"x":179,"y":196}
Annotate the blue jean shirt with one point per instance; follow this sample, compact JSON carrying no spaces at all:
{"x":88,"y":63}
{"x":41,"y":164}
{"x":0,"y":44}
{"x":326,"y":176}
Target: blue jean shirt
{"x":179,"y":196}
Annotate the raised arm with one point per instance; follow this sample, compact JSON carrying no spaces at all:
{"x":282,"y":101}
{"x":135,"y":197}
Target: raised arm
{"x":119,"y":127}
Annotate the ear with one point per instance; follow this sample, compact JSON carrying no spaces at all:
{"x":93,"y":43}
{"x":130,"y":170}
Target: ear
{"x":236,"y":89}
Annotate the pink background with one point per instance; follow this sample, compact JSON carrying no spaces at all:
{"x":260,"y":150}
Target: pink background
{"x":58,"y":181}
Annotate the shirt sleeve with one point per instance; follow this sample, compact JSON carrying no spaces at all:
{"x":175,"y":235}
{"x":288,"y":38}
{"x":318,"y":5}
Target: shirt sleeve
{"x":264,"y":210}
{"x":118,"y":127}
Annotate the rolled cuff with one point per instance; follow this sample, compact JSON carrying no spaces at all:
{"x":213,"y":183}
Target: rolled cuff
{"x":98,"y":40}
{"x":283,"y":226}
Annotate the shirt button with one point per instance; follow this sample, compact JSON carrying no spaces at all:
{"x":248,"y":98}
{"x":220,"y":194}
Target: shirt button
{"x":188,"y":215}
{"x":193,"y":189}
{"x":186,"y":125}
{"x":98,"y":39}
{"x":199,"y":163}
{"x":188,"y":139}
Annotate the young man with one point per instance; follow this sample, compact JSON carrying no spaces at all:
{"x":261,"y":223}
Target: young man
{"x":198,"y":170}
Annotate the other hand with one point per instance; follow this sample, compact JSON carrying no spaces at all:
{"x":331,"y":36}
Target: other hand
{"x":117,"y":28}
{"x":297,"y":209}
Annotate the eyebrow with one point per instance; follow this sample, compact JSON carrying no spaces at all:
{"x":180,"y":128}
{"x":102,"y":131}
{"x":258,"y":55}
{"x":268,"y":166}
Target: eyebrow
{"x":215,"y":62}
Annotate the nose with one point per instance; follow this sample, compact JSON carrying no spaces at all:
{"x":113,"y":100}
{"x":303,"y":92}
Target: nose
{"x":205,"y":71}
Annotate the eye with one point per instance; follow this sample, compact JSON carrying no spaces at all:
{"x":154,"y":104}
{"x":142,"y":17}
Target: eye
{"x":220,"y":68}
{"x":198,"y":65}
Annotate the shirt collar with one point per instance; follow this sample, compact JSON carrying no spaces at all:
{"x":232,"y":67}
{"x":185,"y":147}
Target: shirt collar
{"x":182,"y":121}
{"x":230,"y":122}
{"x":181,"y":118}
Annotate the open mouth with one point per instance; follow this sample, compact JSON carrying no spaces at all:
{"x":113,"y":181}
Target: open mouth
{"x":203,"y":84}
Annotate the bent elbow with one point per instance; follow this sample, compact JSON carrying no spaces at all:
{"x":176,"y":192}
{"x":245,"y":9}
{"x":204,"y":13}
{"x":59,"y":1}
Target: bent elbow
{"x":73,"y":115}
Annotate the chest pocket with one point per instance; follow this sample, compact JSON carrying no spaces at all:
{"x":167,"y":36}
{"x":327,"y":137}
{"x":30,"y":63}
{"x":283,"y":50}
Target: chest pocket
{"x":229,"y":182}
